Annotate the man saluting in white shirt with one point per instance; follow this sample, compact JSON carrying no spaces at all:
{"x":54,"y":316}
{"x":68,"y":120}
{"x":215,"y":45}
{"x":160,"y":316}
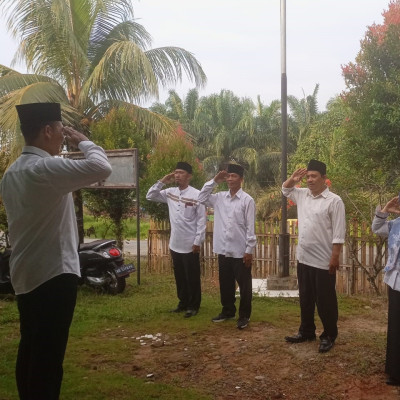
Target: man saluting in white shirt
{"x":234,"y":240}
{"x":44,"y":265}
{"x":188,"y":225}
{"x":322,"y":230}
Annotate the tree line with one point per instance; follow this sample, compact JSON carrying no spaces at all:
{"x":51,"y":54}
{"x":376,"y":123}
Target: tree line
{"x":99,"y":64}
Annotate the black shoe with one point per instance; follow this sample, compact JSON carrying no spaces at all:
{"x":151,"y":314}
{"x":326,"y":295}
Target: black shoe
{"x":190,"y":313}
{"x":299,"y":338}
{"x":222,"y":317}
{"x":392,"y":381}
{"x":326,"y":344}
{"x":178,"y":310}
{"x":242,"y":322}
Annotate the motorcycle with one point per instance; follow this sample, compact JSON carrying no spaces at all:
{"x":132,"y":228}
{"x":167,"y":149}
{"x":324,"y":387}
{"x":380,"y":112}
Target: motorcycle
{"x":101,"y":264}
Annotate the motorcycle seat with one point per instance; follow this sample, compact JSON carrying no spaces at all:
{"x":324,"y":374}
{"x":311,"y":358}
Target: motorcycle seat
{"x":96,"y":244}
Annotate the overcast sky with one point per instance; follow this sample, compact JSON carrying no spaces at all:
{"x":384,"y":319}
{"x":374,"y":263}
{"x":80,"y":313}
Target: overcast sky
{"x":238,"y":42}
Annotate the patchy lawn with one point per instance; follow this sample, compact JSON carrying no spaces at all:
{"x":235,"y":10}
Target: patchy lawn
{"x":130,"y":347}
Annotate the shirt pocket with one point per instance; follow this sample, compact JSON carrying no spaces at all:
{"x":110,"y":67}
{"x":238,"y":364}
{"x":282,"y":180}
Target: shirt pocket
{"x":190,"y":211}
{"x":320,"y":217}
{"x":239,"y":215}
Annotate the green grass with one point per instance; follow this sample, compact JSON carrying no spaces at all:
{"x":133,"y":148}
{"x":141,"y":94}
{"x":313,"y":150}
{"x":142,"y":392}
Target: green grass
{"x":103,"y":227}
{"x":100,"y":321}
{"x":98,"y":362}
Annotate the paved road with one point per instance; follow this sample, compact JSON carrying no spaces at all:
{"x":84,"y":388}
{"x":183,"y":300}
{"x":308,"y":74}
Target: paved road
{"x":130,"y":247}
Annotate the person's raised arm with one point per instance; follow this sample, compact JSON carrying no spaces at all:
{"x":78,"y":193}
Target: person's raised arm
{"x":74,"y":137}
{"x":67,"y":175}
{"x":295,"y":178}
{"x":380,"y":225}
{"x":169,"y":178}
{"x":220,"y":177}
{"x":392,"y":206}
{"x":155,"y":193}
{"x":205,"y":196}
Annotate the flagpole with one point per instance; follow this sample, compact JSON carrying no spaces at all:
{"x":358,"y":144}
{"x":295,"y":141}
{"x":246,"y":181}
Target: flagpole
{"x":283,"y":236}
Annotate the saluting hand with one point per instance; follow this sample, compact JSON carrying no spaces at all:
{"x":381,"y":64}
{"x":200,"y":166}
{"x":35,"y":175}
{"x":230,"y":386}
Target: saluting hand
{"x":221,"y":176}
{"x":392,"y":206}
{"x":73,"y":137}
{"x":298,"y":175}
{"x":170,"y":178}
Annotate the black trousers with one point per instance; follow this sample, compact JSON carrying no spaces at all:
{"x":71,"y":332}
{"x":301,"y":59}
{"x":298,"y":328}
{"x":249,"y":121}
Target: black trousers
{"x":231,"y":270}
{"x":45,"y":317}
{"x":317,"y":287}
{"x":392,"y":367}
{"x":187,"y":278}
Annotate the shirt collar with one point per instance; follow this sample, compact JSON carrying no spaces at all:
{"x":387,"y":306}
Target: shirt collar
{"x":184,"y":190}
{"x":35,"y":150}
{"x":324,"y":194}
{"x":237,"y":194}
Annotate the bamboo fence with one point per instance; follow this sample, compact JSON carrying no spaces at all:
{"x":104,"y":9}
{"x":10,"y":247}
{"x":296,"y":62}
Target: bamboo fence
{"x":361,"y":261}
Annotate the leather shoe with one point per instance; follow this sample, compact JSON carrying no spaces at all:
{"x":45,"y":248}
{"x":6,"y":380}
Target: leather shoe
{"x":299,"y":338}
{"x":392,"y":381}
{"x":326,"y":344}
{"x":177,"y":310}
{"x":190,"y":313}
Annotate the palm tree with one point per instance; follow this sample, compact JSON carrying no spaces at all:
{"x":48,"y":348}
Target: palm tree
{"x":211,"y":121}
{"x":219,"y":126}
{"x":88,"y":55}
{"x":304,"y":113}
{"x":228,"y":127}
{"x":225,"y":127}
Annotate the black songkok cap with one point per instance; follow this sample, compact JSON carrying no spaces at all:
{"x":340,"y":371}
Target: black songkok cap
{"x":185,"y":166}
{"x":35,"y":114}
{"x":315,"y":165}
{"x":235,"y":169}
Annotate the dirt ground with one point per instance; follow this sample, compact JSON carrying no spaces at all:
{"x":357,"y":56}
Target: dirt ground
{"x":256,"y":363}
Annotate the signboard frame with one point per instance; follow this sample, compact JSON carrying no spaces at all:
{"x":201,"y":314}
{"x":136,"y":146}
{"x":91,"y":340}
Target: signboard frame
{"x":120,"y":158}
{"x":119,"y":179}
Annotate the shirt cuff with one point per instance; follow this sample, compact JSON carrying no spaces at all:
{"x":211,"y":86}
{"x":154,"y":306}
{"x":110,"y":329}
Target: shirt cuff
{"x":286,"y":191}
{"x":380,"y":214}
{"x":84,"y":144}
{"x":249,"y":250}
{"x":338,"y":241}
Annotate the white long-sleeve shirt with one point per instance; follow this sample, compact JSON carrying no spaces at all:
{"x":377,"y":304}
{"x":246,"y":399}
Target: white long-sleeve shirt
{"x":36,"y":191}
{"x":322,"y":223}
{"x":382,"y":227}
{"x":234,"y":220}
{"x":187,"y":216}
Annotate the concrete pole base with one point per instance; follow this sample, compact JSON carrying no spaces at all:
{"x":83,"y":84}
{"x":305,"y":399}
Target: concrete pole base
{"x":282,"y":283}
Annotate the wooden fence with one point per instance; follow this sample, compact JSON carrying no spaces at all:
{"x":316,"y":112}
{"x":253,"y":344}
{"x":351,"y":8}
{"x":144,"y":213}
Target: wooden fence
{"x":361,"y":261}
